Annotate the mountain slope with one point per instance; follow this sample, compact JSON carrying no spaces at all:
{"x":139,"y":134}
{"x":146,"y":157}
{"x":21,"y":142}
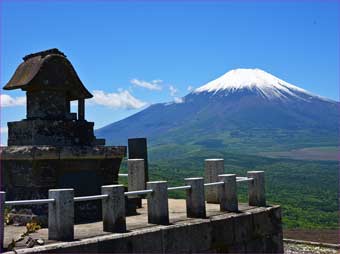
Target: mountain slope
{"x":243,"y":109}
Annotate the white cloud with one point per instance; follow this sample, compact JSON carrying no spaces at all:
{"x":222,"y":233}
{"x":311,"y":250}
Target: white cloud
{"x":154,"y":85}
{"x":157,"y":81}
{"x":190,"y":88}
{"x":173,"y":90}
{"x":3,"y":130}
{"x":9,"y":101}
{"x":178,"y":99}
{"x":122,"y":99}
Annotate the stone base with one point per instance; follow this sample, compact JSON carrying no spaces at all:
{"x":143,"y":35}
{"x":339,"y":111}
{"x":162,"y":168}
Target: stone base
{"x":28,"y":172}
{"x":51,"y":132}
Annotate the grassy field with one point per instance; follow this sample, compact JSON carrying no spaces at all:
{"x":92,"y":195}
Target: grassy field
{"x":306,"y":190}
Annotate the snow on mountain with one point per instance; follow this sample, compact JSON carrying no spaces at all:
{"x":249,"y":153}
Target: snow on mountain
{"x":242,"y":104}
{"x":265,"y":84}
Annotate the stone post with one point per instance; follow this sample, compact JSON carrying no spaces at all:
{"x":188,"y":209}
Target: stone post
{"x":158,"y":208}
{"x":195,"y":201}
{"x":137,"y":148}
{"x":61,"y":215}
{"x":113,"y":209}
{"x":81,"y":109}
{"x":256,"y":189}
{"x":136,"y":174}
{"x":2,"y":219}
{"x":228,"y":193}
{"x":213,"y":168}
{"x":136,"y":178}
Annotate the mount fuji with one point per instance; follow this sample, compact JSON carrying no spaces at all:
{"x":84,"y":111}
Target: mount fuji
{"x":243,"y":110}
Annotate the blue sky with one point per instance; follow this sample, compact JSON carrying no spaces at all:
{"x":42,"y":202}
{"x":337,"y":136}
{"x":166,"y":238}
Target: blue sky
{"x":133,"y":54}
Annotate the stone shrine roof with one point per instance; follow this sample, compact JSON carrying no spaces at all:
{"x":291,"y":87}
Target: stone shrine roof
{"x":48,"y":70}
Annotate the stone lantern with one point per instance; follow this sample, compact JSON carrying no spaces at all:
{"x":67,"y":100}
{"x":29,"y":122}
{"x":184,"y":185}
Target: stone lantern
{"x":52,"y":147}
{"x":50,"y":83}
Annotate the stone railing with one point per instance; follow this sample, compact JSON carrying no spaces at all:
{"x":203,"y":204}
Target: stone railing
{"x":218,"y":188}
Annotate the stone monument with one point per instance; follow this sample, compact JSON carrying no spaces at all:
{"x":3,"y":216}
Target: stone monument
{"x":53,"y":147}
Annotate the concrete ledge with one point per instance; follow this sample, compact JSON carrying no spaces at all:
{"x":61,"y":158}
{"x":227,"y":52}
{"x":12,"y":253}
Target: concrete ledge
{"x":251,"y":230}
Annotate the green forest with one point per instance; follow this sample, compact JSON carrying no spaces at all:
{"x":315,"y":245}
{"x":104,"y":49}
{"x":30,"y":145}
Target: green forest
{"x":306,"y":190}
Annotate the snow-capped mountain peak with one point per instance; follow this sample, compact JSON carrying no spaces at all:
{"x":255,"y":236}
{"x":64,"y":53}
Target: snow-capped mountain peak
{"x":246,"y":104}
{"x":265,"y":84}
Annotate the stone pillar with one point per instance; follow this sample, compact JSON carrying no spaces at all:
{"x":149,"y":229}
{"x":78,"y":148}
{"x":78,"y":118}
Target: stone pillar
{"x":136,"y":179}
{"x":2,"y":219}
{"x":256,"y":189}
{"x":137,"y":148}
{"x":68,"y":106}
{"x":113,"y":209}
{"x":136,"y":174}
{"x":158,"y":208}
{"x":228,"y":193}
{"x":195,"y":201}
{"x":81,"y":109}
{"x":61,"y":215}
{"x":213,"y":168}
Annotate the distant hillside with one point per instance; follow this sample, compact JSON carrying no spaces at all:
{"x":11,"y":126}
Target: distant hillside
{"x":245,"y":110}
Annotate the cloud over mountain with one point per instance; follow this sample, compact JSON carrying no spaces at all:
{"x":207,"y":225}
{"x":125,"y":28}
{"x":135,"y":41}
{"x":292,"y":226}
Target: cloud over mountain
{"x":123,"y":99}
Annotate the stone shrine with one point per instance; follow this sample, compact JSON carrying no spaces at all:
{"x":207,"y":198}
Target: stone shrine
{"x":53,"y":147}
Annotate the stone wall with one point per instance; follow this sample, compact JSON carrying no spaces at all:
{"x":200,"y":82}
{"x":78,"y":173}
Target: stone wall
{"x":258,"y":230}
{"x":28,"y":172}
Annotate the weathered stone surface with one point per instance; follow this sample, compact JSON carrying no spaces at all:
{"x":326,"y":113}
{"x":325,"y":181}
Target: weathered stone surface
{"x":113,"y":209}
{"x":246,"y":231}
{"x":66,"y":152}
{"x":223,"y":232}
{"x":158,"y":209}
{"x":267,"y":221}
{"x":255,"y":246}
{"x":32,"y":175}
{"x":147,"y":241}
{"x":17,"y":152}
{"x":46,"y":104}
{"x":136,"y":174}
{"x":50,"y":132}
{"x":228,"y":193}
{"x":213,"y":168}
{"x":273,"y":243}
{"x":183,"y":235}
{"x":138,"y":150}
{"x":195,"y":201}
{"x":192,"y":237}
{"x":46,"y":153}
{"x":61,"y":215}
{"x":256,"y":188}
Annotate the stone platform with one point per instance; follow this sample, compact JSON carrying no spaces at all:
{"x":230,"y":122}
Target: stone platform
{"x":28,"y":172}
{"x":252,"y":230}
